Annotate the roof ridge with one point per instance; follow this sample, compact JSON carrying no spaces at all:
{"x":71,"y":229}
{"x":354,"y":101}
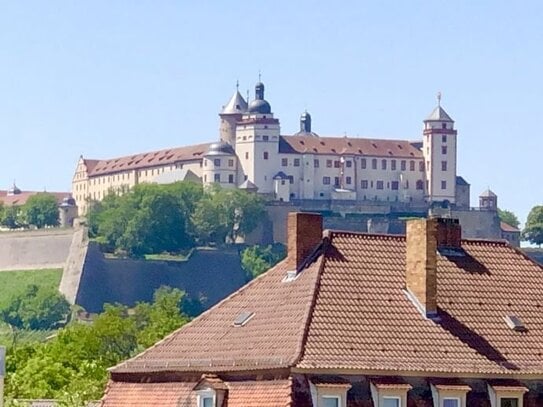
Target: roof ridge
{"x":198,"y":318}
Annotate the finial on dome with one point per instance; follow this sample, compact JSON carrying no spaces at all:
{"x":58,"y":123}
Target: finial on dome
{"x":259,"y":76}
{"x":439,"y":98}
{"x":237,"y":84}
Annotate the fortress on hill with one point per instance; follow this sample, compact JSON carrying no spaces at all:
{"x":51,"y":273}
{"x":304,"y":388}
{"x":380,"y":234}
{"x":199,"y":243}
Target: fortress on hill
{"x":369,"y":183}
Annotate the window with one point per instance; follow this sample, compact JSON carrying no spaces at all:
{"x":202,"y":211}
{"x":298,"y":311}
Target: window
{"x":444,"y":138}
{"x":316,"y":163}
{"x":265,"y":138}
{"x":411,"y":165}
{"x":393,"y":165}
{"x":380,"y":185}
{"x":328,"y":163}
{"x":265,"y":155}
{"x":363,"y":163}
{"x":509,"y":402}
{"x":374,"y":164}
{"x":348,"y":180}
{"x":443,"y":125}
{"x":246,"y":156}
{"x":331,"y":401}
{"x":326,"y":180}
{"x":230,"y":178}
{"x":443,"y":184}
{"x":217,"y":178}
{"x":394,"y":185}
{"x":391,"y":402}
{"x":420,"y":185}
{"x":443,"y":149}
{"x":402,"y":165}
{"x":421,"y":166}
{"x":364,"y":184}
{"x":336,"y":164}
{"x":451,"y":402}
{"x":230,"y":163}
{"x":291,"y":179}
{"x":383,"y":164}
{"x":296,"y":162}
{"x":217,"y":162}
{"x":348,"y":163}
{"x":443,"y":165}
{"x":284,"y":162}
{"x":336,"y":181}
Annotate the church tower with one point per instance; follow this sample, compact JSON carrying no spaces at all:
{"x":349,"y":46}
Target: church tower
{"x":231,"y":113}
{"x":439,"y":150}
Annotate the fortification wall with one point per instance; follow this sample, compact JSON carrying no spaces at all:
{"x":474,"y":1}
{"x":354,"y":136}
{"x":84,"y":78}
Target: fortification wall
{"x":36,"y":249}
{"x":208,"y":276}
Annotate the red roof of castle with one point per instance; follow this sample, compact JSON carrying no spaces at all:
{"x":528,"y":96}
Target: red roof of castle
{"x":22,"y":197}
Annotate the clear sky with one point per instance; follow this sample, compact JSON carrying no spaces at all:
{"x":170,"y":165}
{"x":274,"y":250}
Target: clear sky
{"x":105,"y":78}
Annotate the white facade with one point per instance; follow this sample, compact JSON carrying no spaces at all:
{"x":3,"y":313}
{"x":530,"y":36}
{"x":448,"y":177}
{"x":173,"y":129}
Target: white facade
{"x":252,"y":150}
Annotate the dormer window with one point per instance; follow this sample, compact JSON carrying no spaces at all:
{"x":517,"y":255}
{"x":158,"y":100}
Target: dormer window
{"x":331,"y":401}
{"x":506,"y":395}
{"x":449,"y":395}
{"x":389,"y":394}
{"x":329,"y":393}
{"x":206,"y":398}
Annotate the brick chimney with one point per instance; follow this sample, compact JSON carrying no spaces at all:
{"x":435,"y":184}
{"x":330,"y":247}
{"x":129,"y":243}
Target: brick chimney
{"x":421,"y":264}
{"x":424,"y":238}
{"x":304,"y":233}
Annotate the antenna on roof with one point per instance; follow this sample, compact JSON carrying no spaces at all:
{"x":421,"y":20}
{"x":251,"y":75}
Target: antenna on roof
{"x":439,"y":99}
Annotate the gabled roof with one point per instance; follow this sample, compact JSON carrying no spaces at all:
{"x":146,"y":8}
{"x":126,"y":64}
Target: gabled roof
{"x":461,"y":181}
{"x":439,"y":115}
{"x":506,"y":227}
{"x":301,"y":144}
{"x":21,"y":197}
{"x":248,"y":185}
{"x":348,"y":311}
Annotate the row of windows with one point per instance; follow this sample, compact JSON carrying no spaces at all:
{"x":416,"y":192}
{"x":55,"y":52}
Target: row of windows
{"x":217,"y":178}
{"x":217,"y":162}
{"x":363,"y":163}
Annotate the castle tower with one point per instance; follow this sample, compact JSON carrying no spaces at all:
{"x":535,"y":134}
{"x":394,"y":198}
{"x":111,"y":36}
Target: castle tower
{"x":305,"y":122}
{"x":488,"y":200}
{"x":231,"y":113}
{"x":257,"y":143}
{"x":220,"y":165}
{"x":439,"y":151}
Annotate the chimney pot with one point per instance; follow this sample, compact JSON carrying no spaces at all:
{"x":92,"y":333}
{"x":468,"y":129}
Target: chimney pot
{"x":304,"y":233}
{"x":449,"y":233}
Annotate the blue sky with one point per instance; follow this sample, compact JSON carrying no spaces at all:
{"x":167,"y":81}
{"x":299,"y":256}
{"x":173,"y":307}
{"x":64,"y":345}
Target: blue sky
{"x":109,"y":78}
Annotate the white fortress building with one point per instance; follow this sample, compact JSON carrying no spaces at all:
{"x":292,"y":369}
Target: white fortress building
{"x":252,"y":154}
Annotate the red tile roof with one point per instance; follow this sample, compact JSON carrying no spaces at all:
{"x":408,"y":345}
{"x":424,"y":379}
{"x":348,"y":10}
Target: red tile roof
{"x":22,"y":197}
{"x":144,"y":160}
{"x":506,"y":227}
{"x":172,"y":394}
{"x":349,"y":146}
{"x":349,"y":311}
{"x":270,"y":393}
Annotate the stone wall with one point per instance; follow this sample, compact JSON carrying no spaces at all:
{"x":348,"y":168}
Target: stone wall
{"x":35,"y":249}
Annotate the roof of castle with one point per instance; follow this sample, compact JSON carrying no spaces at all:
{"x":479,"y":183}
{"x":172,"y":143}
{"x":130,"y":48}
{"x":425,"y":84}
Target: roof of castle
{"x":21,"y":197}
{"x":236,"y":105}
{"x":146,"y":160}
{"x":348,"y":311}
{"x":439,"y":115}
{"x":307,"y":143}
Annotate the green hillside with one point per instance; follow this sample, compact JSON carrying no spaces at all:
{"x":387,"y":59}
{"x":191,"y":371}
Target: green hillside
{"x":13,"y":283}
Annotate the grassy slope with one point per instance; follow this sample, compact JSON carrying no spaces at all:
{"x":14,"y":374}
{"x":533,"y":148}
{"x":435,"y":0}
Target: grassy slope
{"x":13,"y":283}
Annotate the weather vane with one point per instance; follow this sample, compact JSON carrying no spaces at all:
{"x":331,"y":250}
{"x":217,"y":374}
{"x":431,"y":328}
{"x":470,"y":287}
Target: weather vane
{"x":439,"y":98}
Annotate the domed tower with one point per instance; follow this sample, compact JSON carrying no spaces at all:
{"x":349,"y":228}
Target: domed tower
{"x":220,"y":165}
{"x":305,"y":123}
{"x":257,"y":143}
{"x":439,"y":151}
{"x":231,"y":113}
{"x":67,"y":212}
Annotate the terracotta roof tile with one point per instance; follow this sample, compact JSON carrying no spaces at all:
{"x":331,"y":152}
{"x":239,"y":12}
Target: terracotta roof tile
{"x":363,"y":320}
{"x":272,"y":337}
{"x":143,"y":160}
{"x":22,"y":197}
{"x":349,"y":146}
{"x":172,"y":394}
{"x":505,"y":227}
{"x":271,"y":393}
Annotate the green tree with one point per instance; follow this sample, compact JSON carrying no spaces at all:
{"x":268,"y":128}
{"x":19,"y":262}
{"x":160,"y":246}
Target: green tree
{"x":533,"y":230}
{"x":257,"y":259}
{"x":36,"y":308}
{"x":226,"y":214}
{"x":10,"y":216}
{"x":41,"y":210}
{"x":508,"y":217}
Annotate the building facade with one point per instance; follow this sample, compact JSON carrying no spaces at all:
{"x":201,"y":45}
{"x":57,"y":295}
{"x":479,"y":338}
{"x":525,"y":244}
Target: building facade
{"x":301,"y":166}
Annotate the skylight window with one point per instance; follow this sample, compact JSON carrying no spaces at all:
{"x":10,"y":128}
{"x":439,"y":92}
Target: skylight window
{"x":515,"y":323}
{"x":242,"y":318}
